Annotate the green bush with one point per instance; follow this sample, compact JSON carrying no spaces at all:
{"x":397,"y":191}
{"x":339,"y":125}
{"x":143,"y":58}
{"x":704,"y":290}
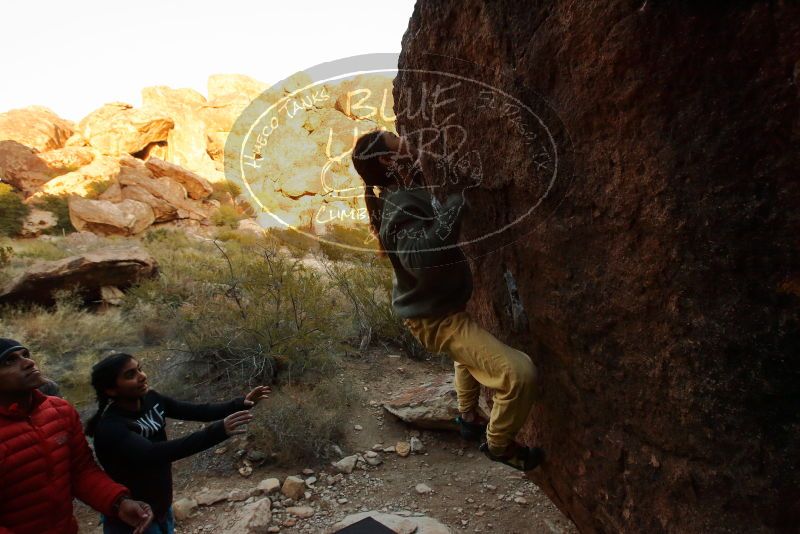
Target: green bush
{"x":241,"y":310}
{"x":226,"y":215}
{"x":6,"y":254}
{"x":67,"y":327}
{"x":12,"y":211}
{"x":166,"y":238}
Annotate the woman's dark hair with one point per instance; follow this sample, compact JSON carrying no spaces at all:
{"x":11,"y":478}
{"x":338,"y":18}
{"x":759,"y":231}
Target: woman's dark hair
{"x":366,"y":152}
{"x":104,"y":376}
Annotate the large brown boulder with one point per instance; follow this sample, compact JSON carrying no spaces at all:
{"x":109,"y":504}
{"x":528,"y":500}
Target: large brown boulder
{"x":103,"y":217}
{"x":119,"y":128}
{"x":187,"y":144}
{"x":196,"y":186}
{"x":68,"y":159}
{"x":22,"y":167}
{"x":220,"y":114}
{"x":655,"y":284}
{"x":299,"y":181}
{"x":89,"y":273}
{"x":430,"y":405}
{"x":134,"y":172}
{"x":35,"y":127}
{"x":84,"y":181}
{"x":163,"y":211}
{"x":229,"y":95}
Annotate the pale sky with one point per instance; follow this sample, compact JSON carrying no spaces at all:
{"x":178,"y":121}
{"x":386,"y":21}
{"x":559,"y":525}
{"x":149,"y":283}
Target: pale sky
{"x":74,"y":56}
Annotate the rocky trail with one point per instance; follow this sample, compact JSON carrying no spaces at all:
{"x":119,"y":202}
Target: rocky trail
{"x":448,"y":481}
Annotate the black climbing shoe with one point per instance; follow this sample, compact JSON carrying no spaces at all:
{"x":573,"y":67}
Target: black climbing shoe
{"x":470,"y":431}
{"x":519,"y":457}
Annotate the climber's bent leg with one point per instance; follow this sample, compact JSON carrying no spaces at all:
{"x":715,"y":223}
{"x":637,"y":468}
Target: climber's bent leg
{"x":468,"y":389}
{"x":490,"y":362}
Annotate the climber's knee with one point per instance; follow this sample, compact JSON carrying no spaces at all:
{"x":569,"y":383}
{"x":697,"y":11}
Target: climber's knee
{"x":523,"y":376}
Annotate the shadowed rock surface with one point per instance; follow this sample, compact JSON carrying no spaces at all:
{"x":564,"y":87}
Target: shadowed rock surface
{"x":656,"y":284}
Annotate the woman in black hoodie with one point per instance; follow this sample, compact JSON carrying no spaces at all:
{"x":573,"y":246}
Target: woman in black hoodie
{"x":130,"y":438}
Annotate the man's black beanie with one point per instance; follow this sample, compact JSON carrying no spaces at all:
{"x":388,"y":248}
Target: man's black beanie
{"x":7,"y":346}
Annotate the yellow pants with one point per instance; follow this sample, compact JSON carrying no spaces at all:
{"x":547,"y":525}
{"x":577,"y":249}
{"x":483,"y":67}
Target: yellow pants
{"x":480,"y":358}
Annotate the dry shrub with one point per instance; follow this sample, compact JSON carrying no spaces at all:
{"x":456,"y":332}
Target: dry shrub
{"x":226,"y":215}
{"x":245,"y":312}
{"x":297,"y":243}
{"x":342,"y":243}
{"x":67,"y":327}
{"x":303,"y":423}
{"x":66,"y":339}
{"x":366,"y":284}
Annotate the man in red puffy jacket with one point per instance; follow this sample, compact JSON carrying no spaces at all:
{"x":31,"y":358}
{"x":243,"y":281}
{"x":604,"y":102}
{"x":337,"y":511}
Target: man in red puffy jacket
{"x":44,"y":459}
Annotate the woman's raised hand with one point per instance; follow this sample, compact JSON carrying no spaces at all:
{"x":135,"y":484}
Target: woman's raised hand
{"x":258,"y":394}
{"x":236,"y":420}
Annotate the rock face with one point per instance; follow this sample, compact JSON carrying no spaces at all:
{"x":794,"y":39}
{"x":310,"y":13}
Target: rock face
{"x":103,"y":217}
{"x":196,"y":186}
{"x":118,"y":128}
{"x":118,"y":267}
{"x":307,"y":180}
{"x":432,"y":405}
{"x":81,"y":181}
{"x":35,"y":127}
{"x":656,"y":285}
{"x":187,"y":142}
{"x":254,"y":518}
{"x":22,"y":167}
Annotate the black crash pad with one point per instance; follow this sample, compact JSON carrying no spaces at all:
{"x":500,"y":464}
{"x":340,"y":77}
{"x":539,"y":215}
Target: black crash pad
{"x":366,"y":526}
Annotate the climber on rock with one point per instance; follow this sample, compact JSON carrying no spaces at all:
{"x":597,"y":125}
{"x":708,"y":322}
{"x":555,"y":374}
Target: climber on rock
{"x":431,"y":287}
{"x":45,"y":461}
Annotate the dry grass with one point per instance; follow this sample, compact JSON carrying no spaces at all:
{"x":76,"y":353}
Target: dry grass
{"x":226,"y":314}
{"x":303,"y":423}
{"x":66,"y":339}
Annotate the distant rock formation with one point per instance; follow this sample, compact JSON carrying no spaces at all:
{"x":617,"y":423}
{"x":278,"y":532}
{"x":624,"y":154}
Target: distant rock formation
{"x":35,"y":127}
{"x":657,"y":284}
{"x":181,"y":135}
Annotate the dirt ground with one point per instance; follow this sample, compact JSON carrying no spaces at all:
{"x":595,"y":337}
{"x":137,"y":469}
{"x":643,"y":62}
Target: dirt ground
{"x":470,"y":493}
